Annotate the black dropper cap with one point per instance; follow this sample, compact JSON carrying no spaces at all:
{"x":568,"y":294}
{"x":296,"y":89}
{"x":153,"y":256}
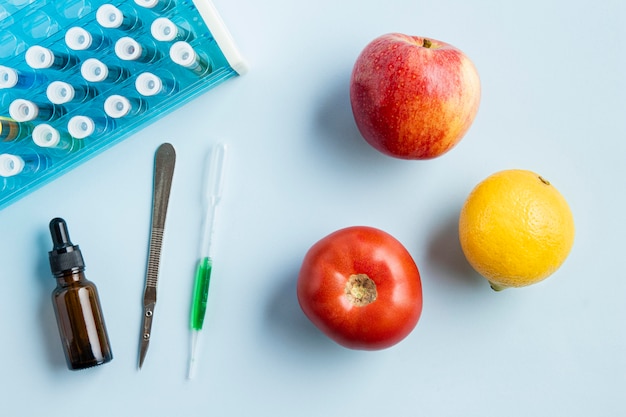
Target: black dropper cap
{"x":64,"y":256}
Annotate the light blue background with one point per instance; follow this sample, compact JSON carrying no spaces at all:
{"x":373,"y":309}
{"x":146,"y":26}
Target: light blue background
{"x":554,"y":101}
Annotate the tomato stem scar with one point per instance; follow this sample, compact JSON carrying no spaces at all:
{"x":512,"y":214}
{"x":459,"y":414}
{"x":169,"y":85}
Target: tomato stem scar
{"x":360,"y":290}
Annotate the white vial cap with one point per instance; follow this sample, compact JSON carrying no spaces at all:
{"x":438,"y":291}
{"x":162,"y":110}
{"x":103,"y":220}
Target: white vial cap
{"x":8,"y":77}
{"x":117,"y":106}
{"x":148,"y":84}
{"x":10,"y":165}
{"x":148,"y":4}
{"x":60,"y":92}
{"x":78,"y":39}
{"x":38,"y":57}
{"x":46,"y":136}
{"x":128,"y":49}
{"x":23,"y":110}
{"x":183,"y":54}
{"x":94,"y":70}
{"x":163,"y":29}
{"x":109,"y":16}
{"x":81,"y":127}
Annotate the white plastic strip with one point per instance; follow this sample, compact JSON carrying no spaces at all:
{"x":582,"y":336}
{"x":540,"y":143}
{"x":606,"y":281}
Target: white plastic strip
{"x":222,"y":36}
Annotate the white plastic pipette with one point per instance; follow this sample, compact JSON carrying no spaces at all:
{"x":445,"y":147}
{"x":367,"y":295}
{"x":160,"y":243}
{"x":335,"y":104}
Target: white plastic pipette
{"x":212,"y":195}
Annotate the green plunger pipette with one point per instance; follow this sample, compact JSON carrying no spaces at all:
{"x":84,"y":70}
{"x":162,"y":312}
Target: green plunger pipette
{"x":213,"y":188}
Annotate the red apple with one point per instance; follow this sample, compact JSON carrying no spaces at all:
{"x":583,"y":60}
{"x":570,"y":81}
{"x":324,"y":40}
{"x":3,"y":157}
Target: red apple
{"x":413,"y":97}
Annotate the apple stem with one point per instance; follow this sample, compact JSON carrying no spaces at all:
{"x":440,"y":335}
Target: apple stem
{"x":427,"y":43}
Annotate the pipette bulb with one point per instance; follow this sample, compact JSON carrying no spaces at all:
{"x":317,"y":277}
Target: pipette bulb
{"x":60,"y":234}
{"x":64,"y":256}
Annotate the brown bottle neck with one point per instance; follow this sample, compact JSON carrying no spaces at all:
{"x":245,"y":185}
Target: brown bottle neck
{"x":70,"y":277}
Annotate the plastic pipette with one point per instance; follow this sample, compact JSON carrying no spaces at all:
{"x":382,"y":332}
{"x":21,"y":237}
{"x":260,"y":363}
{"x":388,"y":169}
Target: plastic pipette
{"x":212,"y":195}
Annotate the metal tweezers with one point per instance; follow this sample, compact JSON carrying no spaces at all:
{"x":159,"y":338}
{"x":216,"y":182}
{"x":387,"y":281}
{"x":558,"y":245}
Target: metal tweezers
{"x":164,"y":162}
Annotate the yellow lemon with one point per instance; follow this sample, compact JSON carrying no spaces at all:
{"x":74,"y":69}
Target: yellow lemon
{"x":515,"y":229}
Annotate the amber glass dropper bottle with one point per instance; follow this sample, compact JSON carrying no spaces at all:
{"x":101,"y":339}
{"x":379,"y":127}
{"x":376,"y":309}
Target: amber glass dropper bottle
{"x":76,"y":304}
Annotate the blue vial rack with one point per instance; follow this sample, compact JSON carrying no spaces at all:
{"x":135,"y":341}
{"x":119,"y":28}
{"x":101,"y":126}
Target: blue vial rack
{"x":78,"y":76}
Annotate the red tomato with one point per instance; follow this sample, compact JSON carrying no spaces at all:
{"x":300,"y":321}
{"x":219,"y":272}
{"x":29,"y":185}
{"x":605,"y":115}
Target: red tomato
{"x":361,"y":287}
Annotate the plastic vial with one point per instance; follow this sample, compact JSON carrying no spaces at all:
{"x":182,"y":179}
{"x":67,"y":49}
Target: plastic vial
{"x":12,"y":165}
{"x":60,"y":92}
{"x":149,"y":84}
{"x":10,"y":130}
{"x":82,"y":127}
{"x":12,"y":78}
{"x":183,"y":54}
{"x":158,"y":6}
{"x":26,"y":111}
{"x":165,"y":30}
{"x":95,"y":71}
{"x":76,"y":304}
{"x":38,"y":57}
{"x":79,"y":39}
{"x":128,"y":49}
{"x":117,"y":106}
{"x":46,"y":136}
{"x":111,"y":17}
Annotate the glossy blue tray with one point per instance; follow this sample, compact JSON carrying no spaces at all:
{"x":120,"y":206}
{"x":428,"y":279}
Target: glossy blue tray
{"x":78,"y":76}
